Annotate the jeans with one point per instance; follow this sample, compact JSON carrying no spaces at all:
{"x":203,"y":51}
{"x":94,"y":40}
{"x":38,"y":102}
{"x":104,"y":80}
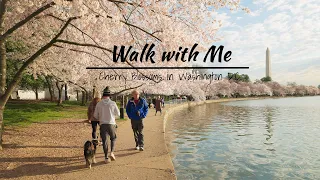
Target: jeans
{"x":105,"y":131}
{"x":137,"y":127}
{"x":94,"y":125}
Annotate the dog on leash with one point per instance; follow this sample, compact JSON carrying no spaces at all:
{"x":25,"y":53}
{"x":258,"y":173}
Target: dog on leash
{"x":89,"y":151}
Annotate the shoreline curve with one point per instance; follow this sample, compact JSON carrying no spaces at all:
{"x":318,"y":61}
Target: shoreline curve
{"x":172,"y":109}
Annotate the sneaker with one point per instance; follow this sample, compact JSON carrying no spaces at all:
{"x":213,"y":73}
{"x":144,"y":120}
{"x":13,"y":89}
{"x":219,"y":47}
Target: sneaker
{"x":137,"y":148}
{"x":112,"y":157}
{"x":106,"y":161}
{"x":141,"y":149}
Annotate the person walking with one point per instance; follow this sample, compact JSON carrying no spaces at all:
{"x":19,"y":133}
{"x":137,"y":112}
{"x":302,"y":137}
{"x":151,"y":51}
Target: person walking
{"x":162,"y":100}
{"x":149,"y":102}
{"x":105,"y":112}
{"x":158,"y":105}
{"x":137,"y":110}
{"x":154,"y":102}
{"x":94,"y":122}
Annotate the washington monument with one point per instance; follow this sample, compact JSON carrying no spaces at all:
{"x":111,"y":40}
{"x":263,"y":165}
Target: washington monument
{"x":268,"y":63}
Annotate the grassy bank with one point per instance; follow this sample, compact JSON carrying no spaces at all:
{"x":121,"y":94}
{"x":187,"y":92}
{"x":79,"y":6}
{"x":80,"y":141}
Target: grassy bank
{"x":24,"y":113}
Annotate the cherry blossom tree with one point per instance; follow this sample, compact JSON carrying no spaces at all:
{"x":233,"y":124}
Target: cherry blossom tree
{"x":301,"y":90}
{"x":264,"y":89}
{"x":243,"y":89}
{"x":290,"y":89}
{"x":92,"y":29}
{"x":312,"y":90}
{"x":277,"y":89}
{"x":222,"y":87}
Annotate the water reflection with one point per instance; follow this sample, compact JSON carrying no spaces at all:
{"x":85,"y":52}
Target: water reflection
{"x":247,"y":140}
{"x":268,"y":115}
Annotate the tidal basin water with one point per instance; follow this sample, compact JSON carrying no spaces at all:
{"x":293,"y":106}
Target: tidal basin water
{"x":254,"y":139}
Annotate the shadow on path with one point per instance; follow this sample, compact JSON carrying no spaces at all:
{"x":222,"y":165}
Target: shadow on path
{"x":16,"y":146}
{"x":38,"y":169}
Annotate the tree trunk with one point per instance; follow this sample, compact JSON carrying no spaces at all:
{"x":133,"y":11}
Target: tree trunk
{"x":51,"y":93}
{"x":77,"y":95}
{"x":122,"y":108}
{"x":3,"y":68}
{"x":60,"y":99}
{"x":50,"y":87}
{"x":37,"y":94}
{"x":66,"y":92}
{"x":85,"y":93}
{"x":93,"y":92}
{"x":60,"y":93}
{"x":53,"y":96}
{"x":1,"y":126}
{"x":83,"y":98}
{"x":57,"y":84}
{"x":87,"y":97}
{"x":3,"y":60}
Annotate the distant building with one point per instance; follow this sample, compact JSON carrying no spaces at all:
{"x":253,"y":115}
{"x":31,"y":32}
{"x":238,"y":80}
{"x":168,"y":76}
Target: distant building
{"x":42,"y":94}
{"x":268,"y":63}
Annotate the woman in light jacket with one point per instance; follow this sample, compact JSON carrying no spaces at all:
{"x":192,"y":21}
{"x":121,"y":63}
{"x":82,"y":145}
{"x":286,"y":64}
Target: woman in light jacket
{"x":94,"y":122}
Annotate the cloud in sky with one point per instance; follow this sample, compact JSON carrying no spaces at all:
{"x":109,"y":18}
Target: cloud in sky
{"x":291,"y":30}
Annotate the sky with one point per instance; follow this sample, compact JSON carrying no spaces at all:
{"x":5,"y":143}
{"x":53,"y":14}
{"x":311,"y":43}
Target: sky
{"x":289,"y":28}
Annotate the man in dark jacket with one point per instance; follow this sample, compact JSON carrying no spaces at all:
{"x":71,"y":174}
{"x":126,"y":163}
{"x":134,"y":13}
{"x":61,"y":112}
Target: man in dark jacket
{"x":137,"y":110}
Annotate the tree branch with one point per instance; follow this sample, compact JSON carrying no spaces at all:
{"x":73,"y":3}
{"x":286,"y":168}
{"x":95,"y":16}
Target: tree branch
{"x":3,"y":60}
{"x":97,"y":45}
{"x":129,"y":24}
{"x":135,"y":4}
{"x":18,"y":75}
{"x":128,"y":89}
{"x":127,"y":19}
{"x":122,"y":2}
{"x":83,"y":44}
{"x":92,"y":10}
{"x":76,"y":50}
{"x":139,"y":5}
{"x":50,"y":15}
{"x":77,"y":85}
{"x":2,"y":10}
{"x":27,"y":19}
{"x":60,"y":80}
{"x":132,"y":25}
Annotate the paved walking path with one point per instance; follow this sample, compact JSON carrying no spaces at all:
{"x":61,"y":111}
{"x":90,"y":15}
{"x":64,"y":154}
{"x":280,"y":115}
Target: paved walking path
{"x":54,"y":150}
